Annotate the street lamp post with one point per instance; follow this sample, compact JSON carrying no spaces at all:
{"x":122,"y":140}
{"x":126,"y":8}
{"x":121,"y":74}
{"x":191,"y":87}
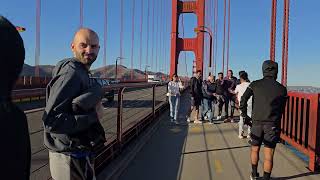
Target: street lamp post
{"x":117,"y":59}
{"x":145,"y":72}
{"x":202,"y":29}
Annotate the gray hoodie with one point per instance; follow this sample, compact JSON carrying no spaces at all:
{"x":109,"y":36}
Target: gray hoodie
{"x":70,"y":120}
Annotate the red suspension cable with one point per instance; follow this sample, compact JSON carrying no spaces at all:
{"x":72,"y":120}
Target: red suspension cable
{"x":37,"y":50}
{"x":224,"y":35}
{"x":148,"y":18}
{"x":132,"y":38}
{"x":285,"y":41}
{"x":141,"y":29}
{"x":156,"y":36}
{"x":152,"y":49}
{"x":273,"y":30}
{"x":81,"y":13}
{"x":216,"y":35}
{"x":105,"y":38}
{"x":228,"y":36}
{"x":121,"y":32}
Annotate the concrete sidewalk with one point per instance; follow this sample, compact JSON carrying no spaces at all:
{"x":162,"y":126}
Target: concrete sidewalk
{"x":205,"y":152}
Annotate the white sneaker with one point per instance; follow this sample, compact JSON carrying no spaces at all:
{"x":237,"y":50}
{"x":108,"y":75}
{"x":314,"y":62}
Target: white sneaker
{"x":218,"y":117}
{"x":188,"y":120}
{"x":240,"y":137}
{"x":197,"y":122}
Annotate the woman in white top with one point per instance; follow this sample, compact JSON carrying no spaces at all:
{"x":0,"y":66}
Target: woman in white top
{"x":174,"y":88}
{"x":240,"y":89}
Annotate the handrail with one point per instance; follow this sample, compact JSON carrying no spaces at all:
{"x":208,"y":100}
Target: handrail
{"x":300,"y":125}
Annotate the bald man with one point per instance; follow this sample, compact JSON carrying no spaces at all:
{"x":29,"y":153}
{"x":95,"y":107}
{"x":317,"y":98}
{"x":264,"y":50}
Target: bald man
{"x":72,"y":129}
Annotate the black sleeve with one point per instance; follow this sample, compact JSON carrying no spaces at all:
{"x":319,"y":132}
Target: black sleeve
{"x":244,"y":101}
{"x":192,"y":84}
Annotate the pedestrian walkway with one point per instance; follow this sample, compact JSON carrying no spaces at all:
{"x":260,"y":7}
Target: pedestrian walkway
{"x":205,"y":152}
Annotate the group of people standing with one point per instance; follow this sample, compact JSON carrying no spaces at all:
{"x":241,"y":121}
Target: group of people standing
{"x":260,"y":103}
{"x":206,"y":94}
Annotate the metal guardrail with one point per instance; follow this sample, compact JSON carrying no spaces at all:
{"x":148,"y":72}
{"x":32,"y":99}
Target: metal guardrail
{"x":152,"y":101}
{"x":39,"y":93}
{"x":300,"y":125}
{"x":123,"y":137}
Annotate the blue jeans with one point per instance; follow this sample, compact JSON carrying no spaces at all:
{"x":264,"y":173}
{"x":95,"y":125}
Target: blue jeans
{"x":207,"y":109}
{"x":174,"y":102}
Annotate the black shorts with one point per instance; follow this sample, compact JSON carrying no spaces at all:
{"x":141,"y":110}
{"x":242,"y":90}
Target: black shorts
{"x":267,"y":133}
{"x":196,"y":102}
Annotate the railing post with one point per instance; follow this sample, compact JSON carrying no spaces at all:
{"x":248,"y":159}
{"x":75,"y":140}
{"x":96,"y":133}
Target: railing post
{"x":313,"y":138}
{"x":119,"y":117}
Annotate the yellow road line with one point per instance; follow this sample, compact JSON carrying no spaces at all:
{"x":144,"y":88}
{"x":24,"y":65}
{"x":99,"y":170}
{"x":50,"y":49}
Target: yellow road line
{"x":218,"y":166}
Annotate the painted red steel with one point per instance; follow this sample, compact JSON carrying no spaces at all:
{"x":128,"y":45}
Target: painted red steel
{"x":273,"y":30}
{"x":105,"y":32}
{"x":132,"y":37}
{"x":285,"y":40}
{"x":228,"y":36}
{"x":300,"y":125}
{"x":37,"y":49}
{"x":191,"y":44}
{"x":224,"y":34}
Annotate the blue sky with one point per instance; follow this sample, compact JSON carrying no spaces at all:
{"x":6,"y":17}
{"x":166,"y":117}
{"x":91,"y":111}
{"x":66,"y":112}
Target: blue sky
{"x":250,"y":33}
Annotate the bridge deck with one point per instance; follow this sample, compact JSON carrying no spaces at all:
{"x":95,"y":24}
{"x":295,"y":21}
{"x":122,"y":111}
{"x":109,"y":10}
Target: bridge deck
{"x":204,"y":152}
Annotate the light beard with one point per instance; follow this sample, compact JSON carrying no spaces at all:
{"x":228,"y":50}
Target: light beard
{"x":87,"y":62}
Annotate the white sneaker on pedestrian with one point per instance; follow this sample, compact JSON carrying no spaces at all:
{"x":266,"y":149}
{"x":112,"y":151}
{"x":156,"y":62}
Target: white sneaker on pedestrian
{"x":218,"y":117}
{"x":197,"y":122}
{"x":240,"y":137}
{"x":188,"y":120}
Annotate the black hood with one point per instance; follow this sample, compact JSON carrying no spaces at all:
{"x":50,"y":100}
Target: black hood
{"x":12,"y":55}
{"x":270,"y":69}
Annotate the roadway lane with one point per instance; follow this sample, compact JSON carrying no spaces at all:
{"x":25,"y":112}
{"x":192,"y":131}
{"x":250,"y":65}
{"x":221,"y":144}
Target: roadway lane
{"x":137,"y":104}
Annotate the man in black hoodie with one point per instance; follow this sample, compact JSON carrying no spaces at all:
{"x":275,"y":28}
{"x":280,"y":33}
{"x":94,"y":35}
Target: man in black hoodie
{"x":72,"y":128}
{"x":269,"y":100}
{"x":15,"y":149}
{"x":196,"y":96}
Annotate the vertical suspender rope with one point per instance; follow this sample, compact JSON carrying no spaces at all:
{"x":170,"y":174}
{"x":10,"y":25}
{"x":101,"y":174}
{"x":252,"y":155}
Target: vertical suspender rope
{"x":152,"y":49}
{"x":228,"y":36}
{"x":121,"y":33}
{"x":141,"y":29}
{"x":81,"y":14}
{"x":273,"y":30}
{"x":285,"y":42}
{"x":160,"y":35}
{"x":37,"y":49}
{"x":132,"y":37}
{"x":157,"y":38}
{"x":224,"y":35}
{"x":216,"y":35}
{"x":105,"y":38}
{"x":148,"y":17}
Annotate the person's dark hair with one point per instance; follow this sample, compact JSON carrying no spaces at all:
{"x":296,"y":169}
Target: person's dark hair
{"x":244,"y":76}
{"x":240,"y":72}
{"x":220,"y":73}
{"x":174,"y":75}
{"x":198,"y":71}
{"x":230,"y":71}
{"x":12,"y":55}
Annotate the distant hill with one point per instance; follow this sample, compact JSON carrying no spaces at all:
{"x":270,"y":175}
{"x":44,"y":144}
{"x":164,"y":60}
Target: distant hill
{"x":45,"y":70}
{"x":123,"y":72}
